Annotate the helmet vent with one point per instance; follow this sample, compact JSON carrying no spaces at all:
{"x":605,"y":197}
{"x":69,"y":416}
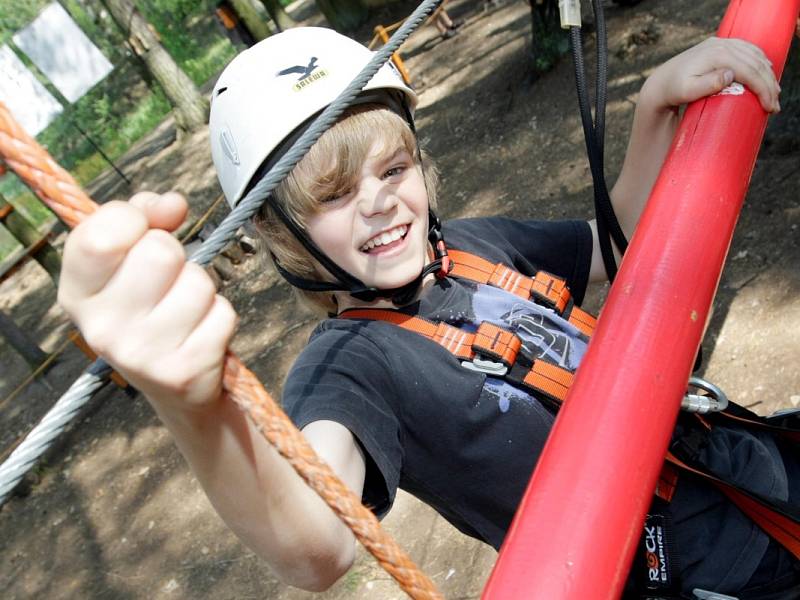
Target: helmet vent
{"x":229,"y":146}
{"x":220,"y":90}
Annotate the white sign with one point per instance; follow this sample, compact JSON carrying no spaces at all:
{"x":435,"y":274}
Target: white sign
{"x":62,"y":52}
{"x":30,"y":103}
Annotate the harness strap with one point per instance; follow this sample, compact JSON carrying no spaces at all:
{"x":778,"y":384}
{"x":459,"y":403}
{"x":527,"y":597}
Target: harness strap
{"x":741,"y":416}
{"x":491,"y":343}
{"x":768,"y":515}
{"x":543,"y":288}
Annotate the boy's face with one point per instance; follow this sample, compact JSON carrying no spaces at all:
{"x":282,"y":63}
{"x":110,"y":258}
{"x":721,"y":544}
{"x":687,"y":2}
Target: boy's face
{"x":378,"y":230}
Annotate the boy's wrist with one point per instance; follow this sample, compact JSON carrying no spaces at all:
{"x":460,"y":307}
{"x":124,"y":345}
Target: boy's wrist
{"x":652,"y":98}
{"x":179,"y":414}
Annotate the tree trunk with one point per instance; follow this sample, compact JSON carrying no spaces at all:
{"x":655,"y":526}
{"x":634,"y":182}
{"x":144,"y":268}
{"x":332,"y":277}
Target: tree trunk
{"x":343,"y":15}
{"x":190,"y":107}
{"x":27,"y":235}
{"x":254,"y":17}
{"x":278,"y":15}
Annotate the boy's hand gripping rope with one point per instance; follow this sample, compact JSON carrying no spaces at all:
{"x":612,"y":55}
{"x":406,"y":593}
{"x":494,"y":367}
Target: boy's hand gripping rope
{"x":60,"y":191}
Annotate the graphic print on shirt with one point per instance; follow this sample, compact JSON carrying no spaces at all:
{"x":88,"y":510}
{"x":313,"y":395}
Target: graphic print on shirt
{"x":544,"y":334}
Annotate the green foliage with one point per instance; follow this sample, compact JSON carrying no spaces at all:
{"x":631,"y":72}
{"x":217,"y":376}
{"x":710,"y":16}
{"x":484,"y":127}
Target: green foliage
{"x":123,"y":107}
{"x":201,"y":50}
{"x":14,"y":15}
{"x":99,"y":26}
{"x":32,"y":208}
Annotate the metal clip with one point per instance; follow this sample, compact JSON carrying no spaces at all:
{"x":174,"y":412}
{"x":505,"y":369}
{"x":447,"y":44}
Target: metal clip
{"x":482,"y":365}
{"x":714,"y":401}
{"x":706,"y":595}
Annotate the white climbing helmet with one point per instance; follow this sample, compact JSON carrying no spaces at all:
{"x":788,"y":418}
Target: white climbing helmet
{"x":271,"y":89}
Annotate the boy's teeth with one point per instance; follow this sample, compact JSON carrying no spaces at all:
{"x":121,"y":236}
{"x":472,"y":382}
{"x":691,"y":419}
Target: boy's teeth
{"x":385,"y":238}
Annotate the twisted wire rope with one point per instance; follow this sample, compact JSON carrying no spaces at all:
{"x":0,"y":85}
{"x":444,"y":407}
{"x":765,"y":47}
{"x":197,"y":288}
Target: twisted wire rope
{"x":249,"y":396}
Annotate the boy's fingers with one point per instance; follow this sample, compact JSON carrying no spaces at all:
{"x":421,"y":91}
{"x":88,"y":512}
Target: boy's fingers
{"x":163,"y":211}
{"x":210,"y":338}
{"x":146,"y":274}
{"x":755,"y":70}
{"x":184,"y":305}
{"x":96,"y":247}
{"x":213,"y":334}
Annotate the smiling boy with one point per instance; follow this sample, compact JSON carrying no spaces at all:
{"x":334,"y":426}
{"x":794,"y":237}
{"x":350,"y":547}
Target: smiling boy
{"x":352,"y":227}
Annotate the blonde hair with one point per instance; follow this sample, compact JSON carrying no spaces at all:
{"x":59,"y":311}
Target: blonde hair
{"x":330,"y":168}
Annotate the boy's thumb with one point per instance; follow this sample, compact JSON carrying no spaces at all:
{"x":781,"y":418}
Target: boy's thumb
{"x":163,"y":211}
{"x":715,"y":81}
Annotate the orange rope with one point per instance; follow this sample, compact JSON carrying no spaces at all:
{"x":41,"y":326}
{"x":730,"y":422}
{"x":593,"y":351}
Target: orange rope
{"x":59,"y":190}
{"x":242,"y":386}
{"x":54,"y":186}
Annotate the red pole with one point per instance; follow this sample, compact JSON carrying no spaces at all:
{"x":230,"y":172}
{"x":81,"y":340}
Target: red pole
{"x":577,"y":527}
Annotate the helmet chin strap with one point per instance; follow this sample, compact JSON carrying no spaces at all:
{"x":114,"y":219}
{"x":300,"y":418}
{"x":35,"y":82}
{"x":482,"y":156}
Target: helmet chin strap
{"x":345,"y":282}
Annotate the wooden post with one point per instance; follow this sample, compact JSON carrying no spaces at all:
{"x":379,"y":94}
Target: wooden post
{"x":24,"y":346}
{"x":380,"y":30}
{"x":35,"y":242}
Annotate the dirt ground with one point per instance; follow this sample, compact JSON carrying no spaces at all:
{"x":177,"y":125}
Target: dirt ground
{"x":113,"y":512}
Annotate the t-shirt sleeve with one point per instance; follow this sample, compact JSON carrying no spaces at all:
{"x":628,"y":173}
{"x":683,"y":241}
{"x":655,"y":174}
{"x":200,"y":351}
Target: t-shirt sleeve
{"x":563,"y":248}
{"x":344,"y":377}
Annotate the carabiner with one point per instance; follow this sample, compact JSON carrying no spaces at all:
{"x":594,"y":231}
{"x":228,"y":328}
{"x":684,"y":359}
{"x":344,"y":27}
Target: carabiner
{"x":714,"y":401}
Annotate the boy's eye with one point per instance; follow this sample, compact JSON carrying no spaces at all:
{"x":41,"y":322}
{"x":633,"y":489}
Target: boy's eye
{"x":394,"y":171}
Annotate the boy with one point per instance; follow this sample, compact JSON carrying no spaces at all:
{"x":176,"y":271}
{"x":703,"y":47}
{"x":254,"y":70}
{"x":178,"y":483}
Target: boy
{"x":353,"y":228}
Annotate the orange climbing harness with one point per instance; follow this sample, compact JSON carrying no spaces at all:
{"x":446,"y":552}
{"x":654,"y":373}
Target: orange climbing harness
{"x":495,"y":351}
{"x":492,"y":349}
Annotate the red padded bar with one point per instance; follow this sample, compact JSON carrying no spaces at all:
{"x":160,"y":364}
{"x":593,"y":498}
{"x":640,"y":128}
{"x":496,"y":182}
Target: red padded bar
{"x":579,"y":522}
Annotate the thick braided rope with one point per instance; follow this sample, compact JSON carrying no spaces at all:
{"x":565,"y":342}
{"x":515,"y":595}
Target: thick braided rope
{"x":54,"y":185}
{"x":242,"y":386}
{"x":37,"y":442}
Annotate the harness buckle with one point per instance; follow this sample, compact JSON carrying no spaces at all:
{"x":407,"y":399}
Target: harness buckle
{"x":483,"y":365}
{"x":714,"y":401}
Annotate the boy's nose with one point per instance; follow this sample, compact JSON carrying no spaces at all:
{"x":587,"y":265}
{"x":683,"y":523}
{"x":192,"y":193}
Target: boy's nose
{"x":375,"y":197}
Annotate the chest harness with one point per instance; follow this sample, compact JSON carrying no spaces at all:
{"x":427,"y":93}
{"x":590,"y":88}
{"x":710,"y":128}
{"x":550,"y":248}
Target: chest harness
{"x":495,"y":351}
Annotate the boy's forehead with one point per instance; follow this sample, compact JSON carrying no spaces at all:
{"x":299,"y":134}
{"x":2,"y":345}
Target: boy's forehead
{"x":382,"y":149}
{"x":385,"y":148}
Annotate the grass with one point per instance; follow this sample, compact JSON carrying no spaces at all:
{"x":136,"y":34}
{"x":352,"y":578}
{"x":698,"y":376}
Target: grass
{"x":8,"y":244}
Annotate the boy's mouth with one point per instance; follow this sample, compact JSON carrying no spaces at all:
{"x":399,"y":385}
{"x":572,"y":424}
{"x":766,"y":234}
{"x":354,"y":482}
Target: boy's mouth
{"x":386,"y":240}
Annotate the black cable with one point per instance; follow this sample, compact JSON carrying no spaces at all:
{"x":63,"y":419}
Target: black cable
{"x":608,"y":226}
{"x":604,"y":238}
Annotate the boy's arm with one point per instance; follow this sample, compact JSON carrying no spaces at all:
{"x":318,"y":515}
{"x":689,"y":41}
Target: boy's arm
{"x":701,"y":71}
{"x":263,"y":500}
{"x":159,"y":321}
